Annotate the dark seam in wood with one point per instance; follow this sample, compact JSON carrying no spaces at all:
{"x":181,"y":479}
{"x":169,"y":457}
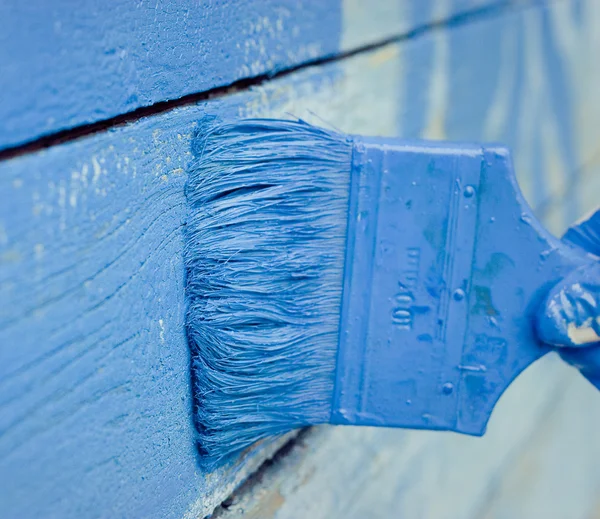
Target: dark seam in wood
{"x":258,"y":475}
{"x":85,"y":130}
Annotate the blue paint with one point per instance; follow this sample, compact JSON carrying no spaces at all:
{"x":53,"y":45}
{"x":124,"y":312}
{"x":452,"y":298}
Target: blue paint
{"x":94,"y":371}
{"x":95,"y":398}
{"x":264,"y":256}
{"x":110,"y":433}
{"x":578,"y":9}
{"x":64,"y":66}
{"x":466,"y":114}
{"x":541,"y":191}
{"x":570,"y":317}
{"x":444,"y":269}
{"x":470,"y":106}
{"x":414,"y":101}
{"x":586,"y":234}
{"x":421,"y":11}
{"x":561,"y":98}
{"x":411,"y":233}
{"x":94,"y":407}
{"x":573,"y":303}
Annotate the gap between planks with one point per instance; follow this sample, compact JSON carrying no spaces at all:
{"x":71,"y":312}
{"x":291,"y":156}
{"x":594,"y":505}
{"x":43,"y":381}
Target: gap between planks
{"x":71,"y":134}
{"x":256,"y":478}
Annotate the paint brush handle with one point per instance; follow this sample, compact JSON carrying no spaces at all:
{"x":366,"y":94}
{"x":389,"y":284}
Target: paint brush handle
{"x":446,"y":268}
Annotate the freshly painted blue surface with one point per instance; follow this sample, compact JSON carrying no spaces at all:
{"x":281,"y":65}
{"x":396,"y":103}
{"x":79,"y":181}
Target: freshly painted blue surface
{"x":95,"y":398}
{"x":108,"y":429}
{"x":94,"y":385}
{"x":92,"y":335}
{"x":67,"y":63}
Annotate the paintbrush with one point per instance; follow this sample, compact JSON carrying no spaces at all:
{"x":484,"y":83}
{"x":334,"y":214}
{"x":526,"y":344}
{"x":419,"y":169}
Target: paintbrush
{"x":357,"y":281}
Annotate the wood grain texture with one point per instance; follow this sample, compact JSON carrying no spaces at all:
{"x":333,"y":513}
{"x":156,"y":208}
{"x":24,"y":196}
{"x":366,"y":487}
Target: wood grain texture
{"x":67,"y":63}
{"x":94,"y":390}
{"x":95,"y":407}
{"x":556,"y":473}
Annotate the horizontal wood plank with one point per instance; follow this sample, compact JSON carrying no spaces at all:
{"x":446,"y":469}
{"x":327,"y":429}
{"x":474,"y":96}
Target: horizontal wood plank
{"x":95,"y":411}
{"x":67,"y":63}
{"x":556,"y":473}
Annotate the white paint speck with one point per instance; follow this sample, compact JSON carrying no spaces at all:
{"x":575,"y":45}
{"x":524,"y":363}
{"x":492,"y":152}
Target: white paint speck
{"x":161,"y":323}
{"x":97,"y":170}
{"x":583,"y":334}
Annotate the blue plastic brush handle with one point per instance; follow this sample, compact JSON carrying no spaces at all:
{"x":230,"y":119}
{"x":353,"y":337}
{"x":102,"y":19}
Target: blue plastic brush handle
{"x":445,"y":270}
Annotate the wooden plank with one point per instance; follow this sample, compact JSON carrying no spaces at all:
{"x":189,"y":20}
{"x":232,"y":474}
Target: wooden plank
{"x":67,"y":63}
{"x":540,"y":461}
{"x":556,"y":473}
{"x":94,"y":395}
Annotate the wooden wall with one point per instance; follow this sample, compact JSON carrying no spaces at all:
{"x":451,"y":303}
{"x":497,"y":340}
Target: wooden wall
{"x":95,"y":411}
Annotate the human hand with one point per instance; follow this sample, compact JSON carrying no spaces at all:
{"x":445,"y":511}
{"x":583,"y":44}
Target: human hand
{"x":570,"y":317}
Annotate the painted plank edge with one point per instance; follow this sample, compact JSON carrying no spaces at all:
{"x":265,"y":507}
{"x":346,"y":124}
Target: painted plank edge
{"x":64,"y":67}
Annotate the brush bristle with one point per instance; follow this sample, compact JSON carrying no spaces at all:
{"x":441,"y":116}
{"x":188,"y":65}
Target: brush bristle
{"x":265,"y":257}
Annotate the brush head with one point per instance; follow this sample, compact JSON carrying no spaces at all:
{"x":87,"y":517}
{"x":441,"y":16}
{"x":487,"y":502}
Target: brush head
{"x":266,"y":237}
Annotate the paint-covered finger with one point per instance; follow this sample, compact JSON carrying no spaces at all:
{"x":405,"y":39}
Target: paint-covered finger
{"x":571,"y":314}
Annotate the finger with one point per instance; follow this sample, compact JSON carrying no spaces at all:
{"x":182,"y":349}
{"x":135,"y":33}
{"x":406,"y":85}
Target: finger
{"x":570,"y":315}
